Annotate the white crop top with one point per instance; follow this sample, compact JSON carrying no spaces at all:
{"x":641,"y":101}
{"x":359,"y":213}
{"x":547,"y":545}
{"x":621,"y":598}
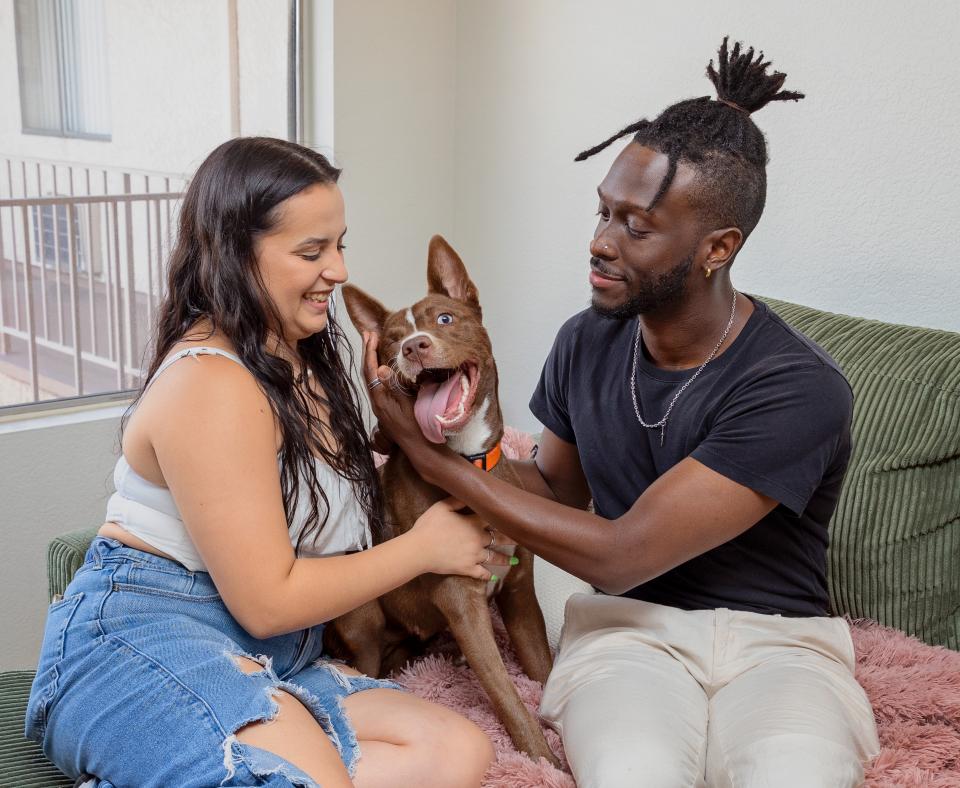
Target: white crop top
{"x":149,"y":512}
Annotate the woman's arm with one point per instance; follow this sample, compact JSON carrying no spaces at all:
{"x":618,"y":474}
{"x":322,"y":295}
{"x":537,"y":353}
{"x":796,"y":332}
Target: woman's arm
{"x":218,"y":458}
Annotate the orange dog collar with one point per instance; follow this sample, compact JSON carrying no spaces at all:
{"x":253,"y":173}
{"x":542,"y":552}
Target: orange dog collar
{"x":488,"y":461}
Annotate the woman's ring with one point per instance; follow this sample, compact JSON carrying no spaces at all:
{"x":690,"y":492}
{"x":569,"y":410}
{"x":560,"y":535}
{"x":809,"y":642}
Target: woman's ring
{"x":493,"y":538}
{"x":374,"y":383}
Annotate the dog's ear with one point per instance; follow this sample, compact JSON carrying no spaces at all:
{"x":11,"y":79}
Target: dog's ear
{"x":447,"y":275}
{"x":366,"y":312}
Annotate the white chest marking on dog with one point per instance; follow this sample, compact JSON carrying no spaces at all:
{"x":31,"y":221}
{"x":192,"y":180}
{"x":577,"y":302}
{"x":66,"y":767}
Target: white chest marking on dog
{"x":475,"y":433}
{"x":410,"y":320}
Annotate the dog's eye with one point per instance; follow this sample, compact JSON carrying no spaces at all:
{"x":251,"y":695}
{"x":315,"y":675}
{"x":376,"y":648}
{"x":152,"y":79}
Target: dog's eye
{"x":444,"y":319}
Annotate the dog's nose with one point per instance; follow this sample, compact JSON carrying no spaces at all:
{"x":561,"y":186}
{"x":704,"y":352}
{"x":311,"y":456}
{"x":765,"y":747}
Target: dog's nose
{"x":418,"y":344}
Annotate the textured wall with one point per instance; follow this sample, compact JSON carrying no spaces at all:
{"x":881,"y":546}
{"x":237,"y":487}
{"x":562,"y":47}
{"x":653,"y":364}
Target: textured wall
{"x":395,"y":70}
{"x":862,"y":206}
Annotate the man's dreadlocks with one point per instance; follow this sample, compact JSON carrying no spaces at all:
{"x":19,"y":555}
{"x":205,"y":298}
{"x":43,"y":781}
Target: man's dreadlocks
{"x":718,"y":138}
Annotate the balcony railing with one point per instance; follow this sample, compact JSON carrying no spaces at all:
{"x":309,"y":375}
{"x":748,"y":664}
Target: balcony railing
{"x":82,"y":263}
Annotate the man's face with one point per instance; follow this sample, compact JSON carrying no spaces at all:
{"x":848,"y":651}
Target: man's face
{"x":640,"y":261}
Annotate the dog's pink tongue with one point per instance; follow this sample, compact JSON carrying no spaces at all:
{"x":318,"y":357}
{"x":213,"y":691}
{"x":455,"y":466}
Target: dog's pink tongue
{"x":433,"y":399}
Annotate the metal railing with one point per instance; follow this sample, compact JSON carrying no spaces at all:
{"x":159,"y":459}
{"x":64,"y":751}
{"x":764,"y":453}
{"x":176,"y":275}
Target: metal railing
{"x":82,"y":256}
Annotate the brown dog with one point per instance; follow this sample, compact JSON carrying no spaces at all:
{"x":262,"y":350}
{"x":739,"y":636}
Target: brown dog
{"x":439,"y":348}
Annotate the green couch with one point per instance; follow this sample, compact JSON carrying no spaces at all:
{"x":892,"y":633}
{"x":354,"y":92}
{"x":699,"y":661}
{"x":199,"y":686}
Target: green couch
{"x":895,"y":542}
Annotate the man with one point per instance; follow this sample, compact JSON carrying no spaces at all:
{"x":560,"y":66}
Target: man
{"x":713,"y":440}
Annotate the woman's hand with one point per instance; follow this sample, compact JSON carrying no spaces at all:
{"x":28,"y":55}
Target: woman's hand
{"x":395,"y":419}
{"x":458,"y":544}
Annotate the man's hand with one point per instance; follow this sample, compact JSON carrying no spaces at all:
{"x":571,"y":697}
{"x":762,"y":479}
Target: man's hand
{"x":381,"y":441}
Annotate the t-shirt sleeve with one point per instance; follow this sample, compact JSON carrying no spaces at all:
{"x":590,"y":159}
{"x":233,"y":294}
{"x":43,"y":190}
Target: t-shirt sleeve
{"x":780,"y":434}
{"x":549,"y":400}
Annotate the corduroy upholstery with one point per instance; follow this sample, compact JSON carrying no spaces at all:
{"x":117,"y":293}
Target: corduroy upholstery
{"x":895,"y":541}
{"x":22,"y":764}
{"x":64,"y":557}
{"x":895,"y":537}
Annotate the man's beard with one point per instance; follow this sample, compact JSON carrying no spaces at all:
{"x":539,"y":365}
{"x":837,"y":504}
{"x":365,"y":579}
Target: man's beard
{"x":651,"y":294}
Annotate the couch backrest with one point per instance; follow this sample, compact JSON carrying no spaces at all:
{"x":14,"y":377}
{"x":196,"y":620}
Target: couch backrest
{"x":895,"y":537}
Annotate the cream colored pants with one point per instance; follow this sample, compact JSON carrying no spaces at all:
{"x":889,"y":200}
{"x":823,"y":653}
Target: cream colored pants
{"x":647,"y":696}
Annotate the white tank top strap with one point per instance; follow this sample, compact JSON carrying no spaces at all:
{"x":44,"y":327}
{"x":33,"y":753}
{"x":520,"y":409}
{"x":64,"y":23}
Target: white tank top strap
{"x":194,"y":352}
{"x":150,"y":513}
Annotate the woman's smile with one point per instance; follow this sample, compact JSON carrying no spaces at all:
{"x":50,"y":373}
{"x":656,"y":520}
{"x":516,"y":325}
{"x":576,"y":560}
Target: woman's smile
{"x":317,"y":301}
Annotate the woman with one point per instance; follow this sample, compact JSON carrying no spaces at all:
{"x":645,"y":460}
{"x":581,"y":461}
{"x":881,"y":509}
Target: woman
{"x":187,"y":649}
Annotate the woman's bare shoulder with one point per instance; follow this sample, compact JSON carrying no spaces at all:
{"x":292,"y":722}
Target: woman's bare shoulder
{"x":197,"y":398}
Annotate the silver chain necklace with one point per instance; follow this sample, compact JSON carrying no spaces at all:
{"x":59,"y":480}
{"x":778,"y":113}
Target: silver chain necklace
{"x":662,"y":424}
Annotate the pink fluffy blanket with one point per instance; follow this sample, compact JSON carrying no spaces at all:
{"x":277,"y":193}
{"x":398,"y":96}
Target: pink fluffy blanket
{"x":914,"y":689}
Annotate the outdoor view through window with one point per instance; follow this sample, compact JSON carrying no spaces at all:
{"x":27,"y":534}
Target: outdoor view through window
{"x":108,"y":107}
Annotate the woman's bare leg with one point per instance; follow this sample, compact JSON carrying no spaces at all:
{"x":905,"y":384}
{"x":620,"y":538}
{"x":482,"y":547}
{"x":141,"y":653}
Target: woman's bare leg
{"x":297,"y":737}
{"x":405,"y":740}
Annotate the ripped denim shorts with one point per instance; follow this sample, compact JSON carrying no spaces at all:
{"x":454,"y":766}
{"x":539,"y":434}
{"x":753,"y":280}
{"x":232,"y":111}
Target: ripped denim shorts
{"x":138,"y":682}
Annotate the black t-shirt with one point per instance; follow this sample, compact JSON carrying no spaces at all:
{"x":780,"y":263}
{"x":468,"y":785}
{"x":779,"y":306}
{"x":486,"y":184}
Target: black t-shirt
{"x":772,"y":413}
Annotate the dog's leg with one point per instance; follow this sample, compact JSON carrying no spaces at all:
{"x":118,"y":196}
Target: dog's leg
{"x":523,"y":618}
{"x":469,"y":616}
{"x":357,"y":638}
{"x":396,"y":655}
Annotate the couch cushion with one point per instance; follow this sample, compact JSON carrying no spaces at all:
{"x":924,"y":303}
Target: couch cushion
{"x":22,"y":764}
{"x":895,"y":537}
{"x":65,"y":555}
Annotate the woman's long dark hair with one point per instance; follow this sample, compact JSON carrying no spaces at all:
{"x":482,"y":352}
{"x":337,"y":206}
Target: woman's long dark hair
{"x":213,"y":275}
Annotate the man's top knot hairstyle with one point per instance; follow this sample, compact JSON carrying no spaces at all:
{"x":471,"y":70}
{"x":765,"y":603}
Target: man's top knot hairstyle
{"x":719,"y":138}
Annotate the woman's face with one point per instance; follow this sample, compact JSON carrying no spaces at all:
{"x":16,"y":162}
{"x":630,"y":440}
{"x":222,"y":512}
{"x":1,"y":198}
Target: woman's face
{"x":301,"y":259}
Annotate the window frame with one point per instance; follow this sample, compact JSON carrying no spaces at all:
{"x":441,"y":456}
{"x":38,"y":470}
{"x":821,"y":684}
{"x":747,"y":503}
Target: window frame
{"x":60,"y":131}
{"x":63,"y":406}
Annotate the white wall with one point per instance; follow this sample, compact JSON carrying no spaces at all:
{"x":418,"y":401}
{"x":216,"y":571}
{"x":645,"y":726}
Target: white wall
{"x":52,"y":480}
{"x":262,"y":31}
{"x":862,"y":207}
{"x":394,"y":117}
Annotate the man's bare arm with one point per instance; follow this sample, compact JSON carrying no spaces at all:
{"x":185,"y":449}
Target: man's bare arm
{"x":689,"y":510}
{"x":686,"y":512}
{"x":556,"y":473}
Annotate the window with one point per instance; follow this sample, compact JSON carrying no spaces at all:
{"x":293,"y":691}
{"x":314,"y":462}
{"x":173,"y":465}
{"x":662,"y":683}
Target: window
{"x":50,"y":240}
{"x":61,"y":49}
{"x":86,"y":228}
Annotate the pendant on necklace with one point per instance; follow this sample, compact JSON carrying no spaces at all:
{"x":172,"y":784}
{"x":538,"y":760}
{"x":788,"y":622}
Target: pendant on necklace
{"x":663,"y":429}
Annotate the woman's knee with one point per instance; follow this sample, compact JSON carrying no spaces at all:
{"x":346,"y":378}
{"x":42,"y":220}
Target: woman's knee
{"x":439,"y":746}
{"x":461,"y":751}
{"x":448,"y":747}
{"x":294,"y":735}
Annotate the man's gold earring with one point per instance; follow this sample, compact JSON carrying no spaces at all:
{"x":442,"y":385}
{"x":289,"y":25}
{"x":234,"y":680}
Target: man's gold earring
{"x":709,"y":271}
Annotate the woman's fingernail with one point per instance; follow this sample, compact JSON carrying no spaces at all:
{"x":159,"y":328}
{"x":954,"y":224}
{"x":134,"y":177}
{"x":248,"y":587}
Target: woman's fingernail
{"x":493,"y":578}
{"x":514,"y":560}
